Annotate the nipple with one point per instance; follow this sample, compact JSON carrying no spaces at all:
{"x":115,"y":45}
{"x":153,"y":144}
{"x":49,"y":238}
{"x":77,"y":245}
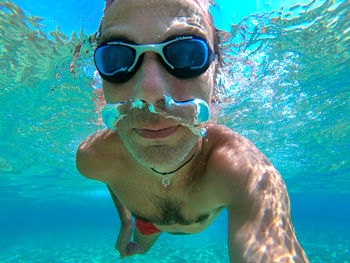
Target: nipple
{"x":192,"y":113}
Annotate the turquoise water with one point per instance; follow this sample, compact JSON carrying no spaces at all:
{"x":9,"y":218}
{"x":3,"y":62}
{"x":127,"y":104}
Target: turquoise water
{"x":286,"y":88}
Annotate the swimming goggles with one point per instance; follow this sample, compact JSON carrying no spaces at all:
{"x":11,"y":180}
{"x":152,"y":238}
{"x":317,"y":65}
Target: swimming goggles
{"x":183,"y":57}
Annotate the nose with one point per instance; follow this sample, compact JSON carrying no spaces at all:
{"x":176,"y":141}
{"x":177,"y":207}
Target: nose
{"x":151,"y":82}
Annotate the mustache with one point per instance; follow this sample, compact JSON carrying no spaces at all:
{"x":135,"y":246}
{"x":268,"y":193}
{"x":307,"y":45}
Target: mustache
{"x":143,"y":115}
{"x":191,"y":113}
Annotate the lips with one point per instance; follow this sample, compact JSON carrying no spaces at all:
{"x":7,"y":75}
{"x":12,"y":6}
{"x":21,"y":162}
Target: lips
{"x":156,"y":133}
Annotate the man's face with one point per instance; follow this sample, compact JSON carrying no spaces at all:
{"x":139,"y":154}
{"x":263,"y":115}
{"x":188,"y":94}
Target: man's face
{"x":153,"y":140}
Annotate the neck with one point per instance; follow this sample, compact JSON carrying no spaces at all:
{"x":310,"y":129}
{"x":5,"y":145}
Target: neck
{"x":185,"y":164}
{"x":177,"y":169}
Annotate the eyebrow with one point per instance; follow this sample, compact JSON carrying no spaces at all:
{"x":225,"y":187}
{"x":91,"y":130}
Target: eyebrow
{"x":194,"y":29}
{"x":125,"y":39}
{"x":196,"y":34}
{"x":173,"y":32}
{"x":115,"y":37}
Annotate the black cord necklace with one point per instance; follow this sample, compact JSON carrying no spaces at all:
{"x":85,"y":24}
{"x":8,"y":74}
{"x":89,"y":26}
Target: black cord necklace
{"x":166,"y":180}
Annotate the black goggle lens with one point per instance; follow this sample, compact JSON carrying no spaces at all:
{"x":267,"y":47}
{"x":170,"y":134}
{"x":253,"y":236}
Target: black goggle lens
{"x":114,"y":59}
{"x":187,"y":54}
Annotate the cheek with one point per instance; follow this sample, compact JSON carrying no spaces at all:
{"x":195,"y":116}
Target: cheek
{"x":179,"y":89}
{"x":200,"y":87}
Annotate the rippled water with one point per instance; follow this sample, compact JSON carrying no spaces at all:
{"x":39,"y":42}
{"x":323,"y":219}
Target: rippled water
{"x":285,"y":86}
{"x":289,"y":92}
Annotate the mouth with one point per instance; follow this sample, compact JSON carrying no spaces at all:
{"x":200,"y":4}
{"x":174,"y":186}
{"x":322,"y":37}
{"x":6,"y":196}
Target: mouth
{"x":156,"y":133}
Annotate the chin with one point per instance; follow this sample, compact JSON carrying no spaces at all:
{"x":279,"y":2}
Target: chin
{"x":162,"y":157}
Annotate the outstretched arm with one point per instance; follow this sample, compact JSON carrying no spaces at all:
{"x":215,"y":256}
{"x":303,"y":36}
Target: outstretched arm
{"x":268,"y":235}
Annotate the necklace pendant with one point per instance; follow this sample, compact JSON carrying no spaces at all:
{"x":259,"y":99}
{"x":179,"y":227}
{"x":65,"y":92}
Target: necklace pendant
{"x":165,"y":181}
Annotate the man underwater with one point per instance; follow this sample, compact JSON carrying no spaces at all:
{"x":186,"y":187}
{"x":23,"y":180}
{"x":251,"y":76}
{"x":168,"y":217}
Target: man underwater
{"x":163,"y":162}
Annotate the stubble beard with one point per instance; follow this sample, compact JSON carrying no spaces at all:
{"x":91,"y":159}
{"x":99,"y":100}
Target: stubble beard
{"x":163,"y":158}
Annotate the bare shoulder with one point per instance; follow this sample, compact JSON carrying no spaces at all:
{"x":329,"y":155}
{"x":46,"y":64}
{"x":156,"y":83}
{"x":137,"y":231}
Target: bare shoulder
{"x":94,"y":154}
{"x":232,"y":152}
{"x":238,"y":164}
{"x":226,"y":139}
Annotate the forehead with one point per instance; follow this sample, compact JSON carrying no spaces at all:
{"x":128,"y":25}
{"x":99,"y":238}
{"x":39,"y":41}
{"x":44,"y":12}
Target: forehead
{"x":147,"y":21}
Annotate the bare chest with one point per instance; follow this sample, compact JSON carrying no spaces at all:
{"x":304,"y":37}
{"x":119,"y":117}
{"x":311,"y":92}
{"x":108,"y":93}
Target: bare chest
{"x":185,"y":208}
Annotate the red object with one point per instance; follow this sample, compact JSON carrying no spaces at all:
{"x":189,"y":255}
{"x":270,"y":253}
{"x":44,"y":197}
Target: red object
{"x":146,"y":228}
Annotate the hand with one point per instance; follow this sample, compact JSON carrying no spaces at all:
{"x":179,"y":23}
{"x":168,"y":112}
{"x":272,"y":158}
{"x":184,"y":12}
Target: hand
{"x":124,"y":245}
{"x":133,"y":248}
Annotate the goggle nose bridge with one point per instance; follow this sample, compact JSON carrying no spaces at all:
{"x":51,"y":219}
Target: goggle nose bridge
{"x":157,"y":48}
